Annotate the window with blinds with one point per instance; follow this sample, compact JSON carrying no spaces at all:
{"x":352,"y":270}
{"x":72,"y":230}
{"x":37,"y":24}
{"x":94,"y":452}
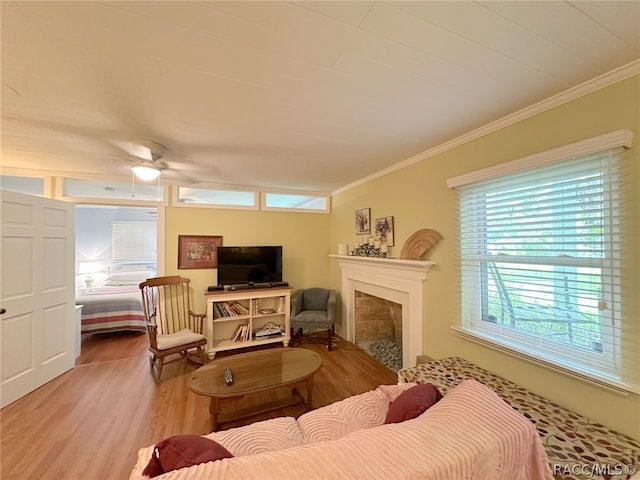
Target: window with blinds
{"x":543,"y":267}
{"x":134,"y":242}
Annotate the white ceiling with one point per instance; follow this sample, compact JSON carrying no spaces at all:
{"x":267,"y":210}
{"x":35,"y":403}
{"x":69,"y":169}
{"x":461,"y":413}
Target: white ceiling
{"x":304,"y":95}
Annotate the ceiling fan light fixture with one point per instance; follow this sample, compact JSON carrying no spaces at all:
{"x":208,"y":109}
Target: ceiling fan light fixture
{"x":146,"y":173}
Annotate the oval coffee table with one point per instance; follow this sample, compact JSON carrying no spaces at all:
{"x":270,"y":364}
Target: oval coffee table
{"x":255,"y":372}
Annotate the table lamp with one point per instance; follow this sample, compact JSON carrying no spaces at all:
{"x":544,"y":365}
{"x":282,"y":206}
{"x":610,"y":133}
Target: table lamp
{"x":87,"y":268}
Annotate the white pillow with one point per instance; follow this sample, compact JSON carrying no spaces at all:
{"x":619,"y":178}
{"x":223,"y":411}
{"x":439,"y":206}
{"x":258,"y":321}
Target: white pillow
{"x":127,"y":278}
{"x":121,"y":268}
{"x":335,"y":420}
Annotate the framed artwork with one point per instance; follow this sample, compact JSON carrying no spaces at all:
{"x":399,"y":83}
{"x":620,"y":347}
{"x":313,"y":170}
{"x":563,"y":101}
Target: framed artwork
{"x":384,"y":231}
{"x":363,"y":221}
{"x":198,"y":251}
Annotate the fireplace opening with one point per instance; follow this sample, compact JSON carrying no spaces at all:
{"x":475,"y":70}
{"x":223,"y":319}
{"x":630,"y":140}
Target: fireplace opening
{"x":378,"y":329}
{"x":394,"y":279}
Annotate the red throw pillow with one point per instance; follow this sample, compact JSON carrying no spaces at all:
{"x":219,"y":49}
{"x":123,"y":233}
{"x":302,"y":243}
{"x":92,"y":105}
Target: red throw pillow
{"x":412,"y":402}
{"x":182,"y":451}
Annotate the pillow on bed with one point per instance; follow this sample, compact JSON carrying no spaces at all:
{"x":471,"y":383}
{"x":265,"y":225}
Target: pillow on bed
{"x":182,"y":451}
{"x":127,"y":278}
{"x":412,"y":403}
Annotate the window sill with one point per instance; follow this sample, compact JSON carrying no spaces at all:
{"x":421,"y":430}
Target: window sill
{"x":615,"y":385}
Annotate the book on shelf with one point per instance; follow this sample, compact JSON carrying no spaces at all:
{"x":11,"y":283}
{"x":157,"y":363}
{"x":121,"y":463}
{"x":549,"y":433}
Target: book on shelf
{"x":277,"y":308}
{"x":236,"y":332}
{"x":234,"y":309}
{"x":281,"y":303}
{"x":256,"y":305}
{"x":241,"y":333}
{"x":246,"y":333}
{"x":221,"y":312}
{"x":240,"y":308}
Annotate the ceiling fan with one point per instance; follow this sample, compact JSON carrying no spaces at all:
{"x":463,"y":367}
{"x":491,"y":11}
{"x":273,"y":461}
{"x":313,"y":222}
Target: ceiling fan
{"x":147,"y":165}
{"x":146,"y":160}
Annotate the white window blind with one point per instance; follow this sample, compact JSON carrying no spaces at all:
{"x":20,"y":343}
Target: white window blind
{"x":134,"y":242}
{"x":543,"y":267}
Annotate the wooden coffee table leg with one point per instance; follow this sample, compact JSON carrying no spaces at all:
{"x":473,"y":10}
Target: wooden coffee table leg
{"x":307,"y":400}
{"x":310,"y":391}
{"x":214,"y":409}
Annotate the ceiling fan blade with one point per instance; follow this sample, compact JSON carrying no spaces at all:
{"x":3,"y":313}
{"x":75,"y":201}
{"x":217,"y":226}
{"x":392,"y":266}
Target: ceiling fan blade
{"x":140,"y":151}
{"x":133,"y":149}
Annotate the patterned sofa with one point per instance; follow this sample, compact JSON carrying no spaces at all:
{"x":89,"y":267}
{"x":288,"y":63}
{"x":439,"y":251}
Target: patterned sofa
{"x":469,"y":434}
{"x":577,"y":447}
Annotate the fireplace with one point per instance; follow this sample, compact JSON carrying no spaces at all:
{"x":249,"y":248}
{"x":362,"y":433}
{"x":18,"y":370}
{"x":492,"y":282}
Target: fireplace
{"x":394,"y":280}
{"x":378,"y":328}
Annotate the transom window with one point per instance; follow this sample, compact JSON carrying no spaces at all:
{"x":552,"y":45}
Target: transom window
{"x":28,"y":185}
{"x":189,"y":196}
{"x":292,"y":202}
{"x":542,"y":264}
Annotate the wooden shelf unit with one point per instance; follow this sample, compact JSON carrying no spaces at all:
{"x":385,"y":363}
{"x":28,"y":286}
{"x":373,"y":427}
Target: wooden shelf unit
{"x":220,"y":327}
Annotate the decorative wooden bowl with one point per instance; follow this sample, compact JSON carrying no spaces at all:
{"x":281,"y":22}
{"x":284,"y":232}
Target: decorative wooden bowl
{"x":418,"y":243}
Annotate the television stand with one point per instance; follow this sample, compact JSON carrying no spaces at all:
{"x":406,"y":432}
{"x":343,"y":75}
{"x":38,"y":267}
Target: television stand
{"x":233,"y":316}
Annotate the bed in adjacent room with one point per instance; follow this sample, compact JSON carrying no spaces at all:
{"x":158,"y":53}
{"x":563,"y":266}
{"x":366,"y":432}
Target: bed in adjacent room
{"x":114,"y":305}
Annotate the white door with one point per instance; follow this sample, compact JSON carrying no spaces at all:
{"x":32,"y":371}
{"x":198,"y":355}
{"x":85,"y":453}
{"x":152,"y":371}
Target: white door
{"x":37,"y":292}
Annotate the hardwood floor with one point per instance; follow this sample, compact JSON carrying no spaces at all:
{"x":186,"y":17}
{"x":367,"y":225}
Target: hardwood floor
{"x":90,"y":422}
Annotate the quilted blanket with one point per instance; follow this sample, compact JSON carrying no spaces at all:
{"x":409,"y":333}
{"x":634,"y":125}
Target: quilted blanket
{"x":469,"y":434}
{"x":578,"y":448}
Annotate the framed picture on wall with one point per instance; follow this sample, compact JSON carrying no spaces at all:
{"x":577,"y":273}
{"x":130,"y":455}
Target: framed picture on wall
{"x":363,"y":221}
{"x":198,"y":251}
{"x":384,"y":231}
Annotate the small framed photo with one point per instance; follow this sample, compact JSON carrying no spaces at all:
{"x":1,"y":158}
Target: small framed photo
{"x":384,"y":231}
{"x":198,"y":251}
{"x":363,"y":221}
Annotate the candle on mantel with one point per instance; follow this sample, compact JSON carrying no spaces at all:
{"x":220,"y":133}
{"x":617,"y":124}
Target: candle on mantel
{"x":384,"y":248}
{"x":376,"y":244}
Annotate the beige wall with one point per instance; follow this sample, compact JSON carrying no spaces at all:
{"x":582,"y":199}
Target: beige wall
{"x":304,"y":238}
{"x":417,"y":197}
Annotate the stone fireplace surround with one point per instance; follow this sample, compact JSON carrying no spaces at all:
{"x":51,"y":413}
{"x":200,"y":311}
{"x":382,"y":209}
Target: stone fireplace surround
{"x":397,"y":280}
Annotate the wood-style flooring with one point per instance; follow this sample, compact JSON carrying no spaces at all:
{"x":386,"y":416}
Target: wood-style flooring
{"x":90,"y":422}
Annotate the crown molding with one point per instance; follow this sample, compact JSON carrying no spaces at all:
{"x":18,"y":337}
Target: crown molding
{"x":617,"y":138}
{"x":590,"y":86}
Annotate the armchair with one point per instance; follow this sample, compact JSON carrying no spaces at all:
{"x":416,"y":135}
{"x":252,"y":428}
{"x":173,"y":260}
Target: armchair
{"x":172,"y":327}
{"x":313,"y":309}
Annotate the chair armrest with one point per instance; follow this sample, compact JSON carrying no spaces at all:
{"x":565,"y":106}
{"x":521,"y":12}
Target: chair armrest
{"x":152,"y":330}
{"x":296,"y":302}
{"x":197,"y":320}
{"x":331,"y":306}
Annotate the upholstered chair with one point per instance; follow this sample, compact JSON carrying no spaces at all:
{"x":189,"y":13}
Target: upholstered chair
{"x":313,"y":309}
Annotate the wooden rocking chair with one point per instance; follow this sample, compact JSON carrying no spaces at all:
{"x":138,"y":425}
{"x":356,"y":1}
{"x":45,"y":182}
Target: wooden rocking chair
{"x":172,"y":327}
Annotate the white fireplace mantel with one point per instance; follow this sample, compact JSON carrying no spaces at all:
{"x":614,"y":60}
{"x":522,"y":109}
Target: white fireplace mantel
{"x":396,"y":280}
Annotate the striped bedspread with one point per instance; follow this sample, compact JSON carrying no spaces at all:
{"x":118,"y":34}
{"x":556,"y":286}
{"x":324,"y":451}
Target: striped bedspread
{"x":105,"y":310}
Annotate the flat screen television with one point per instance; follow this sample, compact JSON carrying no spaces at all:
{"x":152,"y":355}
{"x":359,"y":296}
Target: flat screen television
{"x":245,"y":265}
